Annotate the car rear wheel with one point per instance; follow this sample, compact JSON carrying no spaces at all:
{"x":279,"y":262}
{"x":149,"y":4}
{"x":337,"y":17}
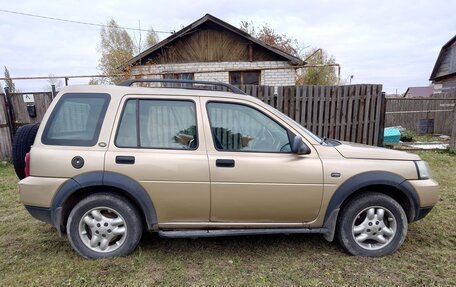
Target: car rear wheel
{"x":372,"y":224}
{"x":104,"y":225}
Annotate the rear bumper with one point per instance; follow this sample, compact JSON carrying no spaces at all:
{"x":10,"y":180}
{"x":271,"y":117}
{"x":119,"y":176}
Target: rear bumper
{"x":40,"y":213}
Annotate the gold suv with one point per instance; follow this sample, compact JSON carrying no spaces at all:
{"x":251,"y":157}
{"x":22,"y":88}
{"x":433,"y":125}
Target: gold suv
{"x":108,"y":162}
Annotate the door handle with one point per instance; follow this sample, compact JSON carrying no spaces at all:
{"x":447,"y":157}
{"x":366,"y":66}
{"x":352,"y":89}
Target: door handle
{"x":124,"y":159}
{"x":224,"y":163}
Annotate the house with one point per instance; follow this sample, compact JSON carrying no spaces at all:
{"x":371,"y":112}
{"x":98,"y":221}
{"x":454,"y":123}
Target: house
{"x":443,"y":75}
{"x":419,"y":92}
{"x":210,"y":49}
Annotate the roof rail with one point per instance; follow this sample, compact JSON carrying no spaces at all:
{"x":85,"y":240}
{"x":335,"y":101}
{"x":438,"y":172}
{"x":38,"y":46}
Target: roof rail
{"x":128,"y":83}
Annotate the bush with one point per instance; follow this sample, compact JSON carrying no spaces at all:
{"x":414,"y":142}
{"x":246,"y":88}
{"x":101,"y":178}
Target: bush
{"x":407,"y":136}
{"x":451,"y":150}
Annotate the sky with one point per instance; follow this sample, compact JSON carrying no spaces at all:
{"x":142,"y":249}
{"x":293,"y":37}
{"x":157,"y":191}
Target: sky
{"x":393,"y":43}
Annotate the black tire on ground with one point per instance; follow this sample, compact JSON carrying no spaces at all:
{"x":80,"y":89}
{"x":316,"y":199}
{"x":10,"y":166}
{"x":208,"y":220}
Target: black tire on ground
{"x":23,"y":140}
{"x":130,"y":216}
{"x":394,"y":218}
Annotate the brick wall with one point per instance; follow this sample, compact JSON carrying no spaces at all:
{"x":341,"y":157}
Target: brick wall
{"x":269,"y":76}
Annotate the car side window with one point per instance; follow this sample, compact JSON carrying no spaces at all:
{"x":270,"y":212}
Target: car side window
{"x":166,"y":124}
{"x":237,"y":127}
{"x":76,"y":120}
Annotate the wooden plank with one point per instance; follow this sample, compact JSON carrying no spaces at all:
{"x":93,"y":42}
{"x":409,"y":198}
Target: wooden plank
{"x":304,"y":101}
{"x":286,"y":101}
{"x":365,"y":139}
{"x":372,"y":116}
{"x":298,"y":105}
{"x":453,"y":132}
{"x":344,"y":113}
{"x":292,"y":101}
{"x":327,"y":111}
{"x":310,"y":101}
{"x":5,"y":139}
{"x":362,"y":102}
{"x":332,"y":117}
{"x":266,"y":95}
{"x":354,"y":123}
{"x":315,"y":109}
{"x":322,"y":98}
{"x":382,"y":118}
{"x":255,"y":91}
{"x":280,"y":99}
{"x":351,"y":103}
{"x":338,"y":111}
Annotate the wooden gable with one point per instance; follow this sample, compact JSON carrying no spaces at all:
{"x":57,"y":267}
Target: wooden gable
{"x":210,"y":39}
{"x":446,"y":61}
{"x":210,"y":44}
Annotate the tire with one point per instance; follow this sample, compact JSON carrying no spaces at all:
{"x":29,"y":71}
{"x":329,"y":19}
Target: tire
{"x":376,"y":234}
{"x":23,"y":140}
{"x":113,"y":219}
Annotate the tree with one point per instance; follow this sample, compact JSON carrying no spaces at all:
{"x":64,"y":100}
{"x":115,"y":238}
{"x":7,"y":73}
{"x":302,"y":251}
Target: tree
{"x":9,"y":82}
{"x":151,"y":39}
{"x":271,"y":37}
{"x":116,"y":47}
{"x":53,"y":81}
{"x":94,"y":81}
{"x":323,"y":74}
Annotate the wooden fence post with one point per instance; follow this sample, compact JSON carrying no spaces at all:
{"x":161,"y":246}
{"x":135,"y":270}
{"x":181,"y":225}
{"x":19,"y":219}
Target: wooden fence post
{"x":10,"y":114}
{"x":453,"y":131}
{"x":53,"y":92}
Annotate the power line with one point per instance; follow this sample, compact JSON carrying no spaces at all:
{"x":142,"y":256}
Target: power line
{"x":78,"y":22}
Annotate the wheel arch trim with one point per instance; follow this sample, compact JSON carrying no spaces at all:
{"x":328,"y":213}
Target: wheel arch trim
{"x":372,"y":178}
{"x":110,"y":179}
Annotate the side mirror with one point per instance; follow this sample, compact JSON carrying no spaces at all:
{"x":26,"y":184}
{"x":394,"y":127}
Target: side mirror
{"x":299,"y":147}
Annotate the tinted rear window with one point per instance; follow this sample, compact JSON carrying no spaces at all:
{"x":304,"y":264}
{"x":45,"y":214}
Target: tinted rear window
{"x":76,"y":120}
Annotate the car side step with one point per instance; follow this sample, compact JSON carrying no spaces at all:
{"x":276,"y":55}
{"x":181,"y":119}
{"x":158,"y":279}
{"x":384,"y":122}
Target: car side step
{"x":236,"y":232}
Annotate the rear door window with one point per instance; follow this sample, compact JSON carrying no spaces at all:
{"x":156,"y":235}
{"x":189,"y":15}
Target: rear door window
{"x":76,"y":119}
{"x":159,"y":124}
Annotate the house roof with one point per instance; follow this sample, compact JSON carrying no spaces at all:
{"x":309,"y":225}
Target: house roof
{"x":440,"y":59}
{"x":209,"y":18}
{"x":420,"y":91}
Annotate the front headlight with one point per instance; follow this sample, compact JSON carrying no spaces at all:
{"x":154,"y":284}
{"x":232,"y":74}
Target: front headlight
{"x":422,"y":169}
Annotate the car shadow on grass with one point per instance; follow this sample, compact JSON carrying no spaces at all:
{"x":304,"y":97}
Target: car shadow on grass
{"x":239,"y":245}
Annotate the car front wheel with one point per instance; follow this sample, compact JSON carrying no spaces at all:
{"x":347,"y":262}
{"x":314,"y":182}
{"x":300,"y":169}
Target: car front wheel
{"x":372,"y":224}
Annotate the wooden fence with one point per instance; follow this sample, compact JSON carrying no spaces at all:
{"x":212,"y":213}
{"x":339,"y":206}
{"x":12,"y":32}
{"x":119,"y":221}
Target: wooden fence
{"x":422,"y":115}
{"x":5,"y":139}
{"x":350,"y":113}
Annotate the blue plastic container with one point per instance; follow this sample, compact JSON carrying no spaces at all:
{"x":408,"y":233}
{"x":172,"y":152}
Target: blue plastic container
{"x":391,"y":135}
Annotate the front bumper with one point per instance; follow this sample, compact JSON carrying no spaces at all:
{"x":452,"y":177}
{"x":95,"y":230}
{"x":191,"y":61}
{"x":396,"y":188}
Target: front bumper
{"x":427,"y":191}
{"x":428,"y":195}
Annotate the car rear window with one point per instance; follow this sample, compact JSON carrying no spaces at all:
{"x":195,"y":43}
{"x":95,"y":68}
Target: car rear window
{"x":76,"y":119}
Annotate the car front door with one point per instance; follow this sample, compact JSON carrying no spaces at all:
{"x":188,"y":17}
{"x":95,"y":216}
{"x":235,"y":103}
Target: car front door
{"x":255,"y":178}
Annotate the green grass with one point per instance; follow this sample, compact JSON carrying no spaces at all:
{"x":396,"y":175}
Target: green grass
{"x":32,"y":253}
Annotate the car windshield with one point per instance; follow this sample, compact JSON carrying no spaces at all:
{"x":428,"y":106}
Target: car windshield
{"x":306,"y":131}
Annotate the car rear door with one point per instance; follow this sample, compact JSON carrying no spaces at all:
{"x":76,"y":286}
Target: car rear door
{"x":157,"y":142}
